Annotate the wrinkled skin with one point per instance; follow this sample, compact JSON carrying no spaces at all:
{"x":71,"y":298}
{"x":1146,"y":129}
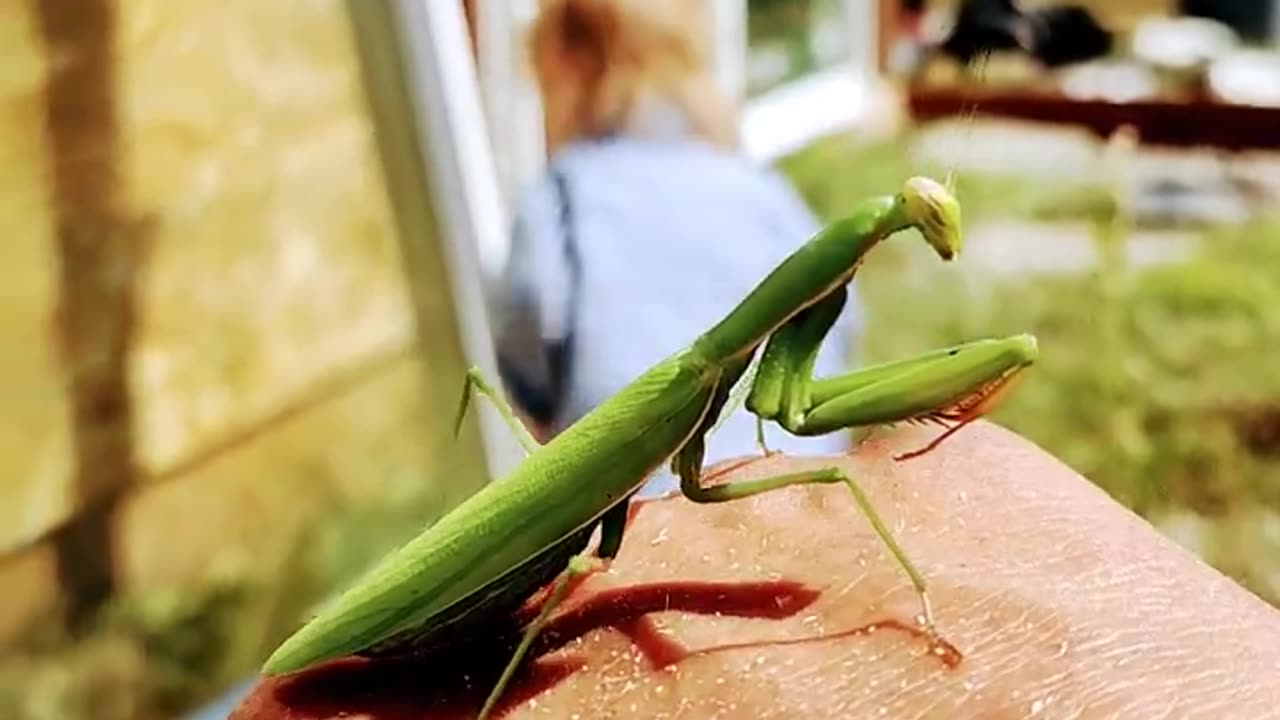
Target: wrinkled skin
{"x":1063,"y":604}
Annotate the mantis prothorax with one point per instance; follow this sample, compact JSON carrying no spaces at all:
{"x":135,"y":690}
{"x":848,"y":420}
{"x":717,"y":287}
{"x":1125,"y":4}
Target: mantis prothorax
{"x":515,"y":536}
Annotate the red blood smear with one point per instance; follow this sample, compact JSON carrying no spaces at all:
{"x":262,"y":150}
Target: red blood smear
{"x":455,"y":685}
{"x":449,"y":685}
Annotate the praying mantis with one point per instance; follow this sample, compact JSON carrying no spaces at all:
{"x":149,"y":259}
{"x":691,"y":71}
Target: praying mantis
{"x":517,"y":535}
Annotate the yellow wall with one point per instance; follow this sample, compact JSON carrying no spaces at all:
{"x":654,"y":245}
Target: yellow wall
{"x":273,"y":266}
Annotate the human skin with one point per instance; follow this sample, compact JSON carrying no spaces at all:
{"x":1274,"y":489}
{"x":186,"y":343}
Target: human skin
{"x":1061,"y":602}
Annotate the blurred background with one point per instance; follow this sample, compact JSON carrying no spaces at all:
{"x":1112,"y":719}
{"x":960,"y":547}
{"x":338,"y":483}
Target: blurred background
{"x":250,"y":249}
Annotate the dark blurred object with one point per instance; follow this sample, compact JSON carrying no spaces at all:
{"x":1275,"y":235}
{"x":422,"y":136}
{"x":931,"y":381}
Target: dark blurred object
{"x":1250,"y":19}
{"x":1259,"y":427}
{"x":1160,"y":122}
{"x":1054,"y":36}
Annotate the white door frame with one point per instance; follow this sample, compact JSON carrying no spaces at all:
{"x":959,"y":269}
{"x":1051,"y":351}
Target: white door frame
{"x":458,"y":158}
{"x":511,"y":103}
{"x":786,"y":118}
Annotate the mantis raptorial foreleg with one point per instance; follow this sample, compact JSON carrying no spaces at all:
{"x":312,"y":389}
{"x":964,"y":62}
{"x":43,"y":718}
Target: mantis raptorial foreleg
{"x":760,"y":439}
{"x":952,"y":384}
{"x":956,"y":384}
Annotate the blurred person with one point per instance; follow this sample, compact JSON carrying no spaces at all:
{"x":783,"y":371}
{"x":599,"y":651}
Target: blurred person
{"x":649,"y":224}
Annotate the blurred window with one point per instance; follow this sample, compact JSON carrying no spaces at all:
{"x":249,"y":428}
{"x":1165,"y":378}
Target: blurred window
{"x":788,"y":39}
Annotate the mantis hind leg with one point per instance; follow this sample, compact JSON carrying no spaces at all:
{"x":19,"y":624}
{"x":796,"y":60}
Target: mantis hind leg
{"x":475,"y":381}
{"x":579,"y":567}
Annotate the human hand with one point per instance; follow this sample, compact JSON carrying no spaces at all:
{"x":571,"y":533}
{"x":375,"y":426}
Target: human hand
{"x":1062,"y":603}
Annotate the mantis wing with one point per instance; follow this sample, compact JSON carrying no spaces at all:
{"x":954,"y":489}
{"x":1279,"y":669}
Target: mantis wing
{"x":739,"y":393}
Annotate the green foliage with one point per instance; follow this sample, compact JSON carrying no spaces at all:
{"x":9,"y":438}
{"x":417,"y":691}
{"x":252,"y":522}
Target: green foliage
{"x":156,"y":653}
{"x":835,"y":173}
{"x":147,"y":656}
{"x":1158,"y":384}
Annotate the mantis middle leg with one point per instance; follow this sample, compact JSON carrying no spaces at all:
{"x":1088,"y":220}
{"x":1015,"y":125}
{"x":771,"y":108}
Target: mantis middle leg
{"x":689,"y":463}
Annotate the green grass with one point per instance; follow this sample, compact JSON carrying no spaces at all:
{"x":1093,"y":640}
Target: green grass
{"x":1159,"y":385}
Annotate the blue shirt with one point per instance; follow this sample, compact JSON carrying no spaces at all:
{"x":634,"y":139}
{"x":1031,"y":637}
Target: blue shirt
{"x":625,"y":251}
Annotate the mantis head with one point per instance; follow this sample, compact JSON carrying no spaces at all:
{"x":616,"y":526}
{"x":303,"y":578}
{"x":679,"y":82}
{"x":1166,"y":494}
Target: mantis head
{"x":935,"y":212}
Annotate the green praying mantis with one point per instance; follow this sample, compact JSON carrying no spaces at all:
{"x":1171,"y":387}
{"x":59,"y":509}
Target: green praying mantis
{"x":517,"y":535}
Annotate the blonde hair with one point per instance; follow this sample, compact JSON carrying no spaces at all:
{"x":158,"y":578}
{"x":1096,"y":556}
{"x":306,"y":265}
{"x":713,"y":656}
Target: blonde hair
{"x":594,"y":60}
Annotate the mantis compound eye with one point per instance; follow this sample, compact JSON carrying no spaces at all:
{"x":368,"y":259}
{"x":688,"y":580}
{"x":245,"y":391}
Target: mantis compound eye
{"x":934,"y":210}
